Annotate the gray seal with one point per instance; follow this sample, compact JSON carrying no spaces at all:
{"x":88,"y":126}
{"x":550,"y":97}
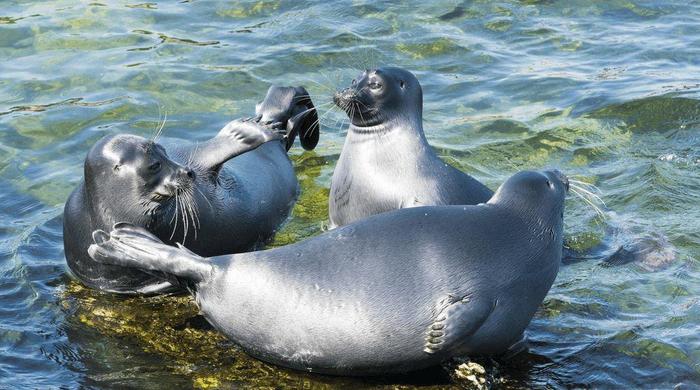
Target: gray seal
{"x":225,"y":195}
{"x":395,"y":292}
{"x":386,"y":162}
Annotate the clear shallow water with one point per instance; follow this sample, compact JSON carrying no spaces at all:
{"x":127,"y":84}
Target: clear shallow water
{"x":608,"y":92}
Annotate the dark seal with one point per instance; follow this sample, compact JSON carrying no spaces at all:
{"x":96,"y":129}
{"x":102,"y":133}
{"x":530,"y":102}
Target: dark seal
{"x":225,"y":195}
{"x":386,"y":162}
{"x":290,"y":108}
{"x":392,"y":293}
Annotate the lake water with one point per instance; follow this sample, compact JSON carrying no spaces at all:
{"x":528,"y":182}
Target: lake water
{"x":605,"y":91}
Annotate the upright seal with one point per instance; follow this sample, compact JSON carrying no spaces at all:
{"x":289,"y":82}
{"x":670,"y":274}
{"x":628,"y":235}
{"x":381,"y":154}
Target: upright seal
{"x":392,"y":293}
{"x":225,"y":195}
{"x":386,"y":162}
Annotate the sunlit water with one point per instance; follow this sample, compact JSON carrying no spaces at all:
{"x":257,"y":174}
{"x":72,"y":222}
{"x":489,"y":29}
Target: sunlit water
{"x":606,"y":91}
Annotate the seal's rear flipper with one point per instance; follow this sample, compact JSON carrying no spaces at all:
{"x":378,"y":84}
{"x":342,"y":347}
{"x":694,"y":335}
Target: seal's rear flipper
{"x":290,"y":108}
{"x":131,"y":246}
{"x":305,"y":123}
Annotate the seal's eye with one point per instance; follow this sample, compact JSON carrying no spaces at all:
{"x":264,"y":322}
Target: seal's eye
{"x":403,"y":84}
{"x":549,"y":184}
{"x":374,"y":85}
{"x":354,"y":82}
{"x":155,"y":167}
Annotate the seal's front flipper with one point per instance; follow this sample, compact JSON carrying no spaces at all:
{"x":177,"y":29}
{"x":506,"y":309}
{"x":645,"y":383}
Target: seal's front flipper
{"x":236,"y":138}
{"x":292,"y":108}
{"x":131,"y":246}
{"x":456,"y":318}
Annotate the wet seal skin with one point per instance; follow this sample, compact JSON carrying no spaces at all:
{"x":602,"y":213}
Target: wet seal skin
{"x":225,"y":195}
{"x":290,"y":108}
{"x":393,"y":293}
{"x":386,"y":162}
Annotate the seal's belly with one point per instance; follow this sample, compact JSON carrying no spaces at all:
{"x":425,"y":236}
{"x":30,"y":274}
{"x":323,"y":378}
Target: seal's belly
{"x":314,"y":326}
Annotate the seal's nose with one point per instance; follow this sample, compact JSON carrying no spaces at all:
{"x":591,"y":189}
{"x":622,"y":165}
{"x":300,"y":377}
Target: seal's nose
{"x":562,"y":177}
{"x":342,"y":98}
{"x":337,"y":97}
{"x":185,"y":172}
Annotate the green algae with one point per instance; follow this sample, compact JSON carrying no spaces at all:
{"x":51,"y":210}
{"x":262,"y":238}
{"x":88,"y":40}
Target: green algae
{"x":437,"y":47}
{"x":499,"y":25}
{"x":583,"y":241}
{"x":656,"y":113}
{"x":256,"y":8}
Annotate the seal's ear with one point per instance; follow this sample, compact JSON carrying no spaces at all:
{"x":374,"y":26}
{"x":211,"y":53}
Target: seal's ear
{"x":305,"y":122}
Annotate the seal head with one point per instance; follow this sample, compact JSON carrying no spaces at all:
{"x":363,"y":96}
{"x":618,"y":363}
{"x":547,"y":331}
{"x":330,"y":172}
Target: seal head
{"x":143,"y":181}
{"x":538,"y":193}
{"x":378,"y":95}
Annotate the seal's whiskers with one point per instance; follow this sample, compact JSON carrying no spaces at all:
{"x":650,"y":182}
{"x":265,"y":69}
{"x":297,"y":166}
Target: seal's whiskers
{"x":580,"y":195}
{"x":191,"y":156}
{"x":194,"y":213}
{"x":204,"y":197}
{"x":324,"y":86}
{"x":159,"y":128}
{"x":190,"y":214}
{"x":318,"y":120}
{"x":587,"y":192}
{"x":588,"y":186}
{"x":175,"y":217}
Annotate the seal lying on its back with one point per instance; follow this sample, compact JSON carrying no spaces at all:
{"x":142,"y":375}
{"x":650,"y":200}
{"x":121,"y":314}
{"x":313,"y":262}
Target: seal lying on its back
{"x":392,"y":293}
{"x":195,"y":194}
{"x":386,"y":162}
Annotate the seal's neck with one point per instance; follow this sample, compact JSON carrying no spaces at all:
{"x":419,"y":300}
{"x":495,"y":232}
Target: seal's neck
{"x":401,"y":126}
{"x":388,"y":145}
{"x":545,"y":223}
{"x":370,"y":131}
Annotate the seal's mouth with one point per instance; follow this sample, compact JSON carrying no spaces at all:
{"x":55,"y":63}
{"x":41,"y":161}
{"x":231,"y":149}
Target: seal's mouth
{"x":561,"y":177}
{"x":345,"y":99}
{"x":360,"y":112}
{"x":173,"y":185}
{"x":161,"y":197}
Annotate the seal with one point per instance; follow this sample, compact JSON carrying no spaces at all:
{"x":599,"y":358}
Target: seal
{"x":386,"y":162}
{"x":392,"y":293}
{"x":225,"y":195}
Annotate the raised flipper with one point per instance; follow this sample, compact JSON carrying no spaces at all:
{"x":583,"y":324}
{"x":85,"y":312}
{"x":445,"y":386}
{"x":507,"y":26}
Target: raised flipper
{"x":131,"y":246}
{"x":236,"y":138}
{"x":290,"y":109}
{"x":456,"y":318}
